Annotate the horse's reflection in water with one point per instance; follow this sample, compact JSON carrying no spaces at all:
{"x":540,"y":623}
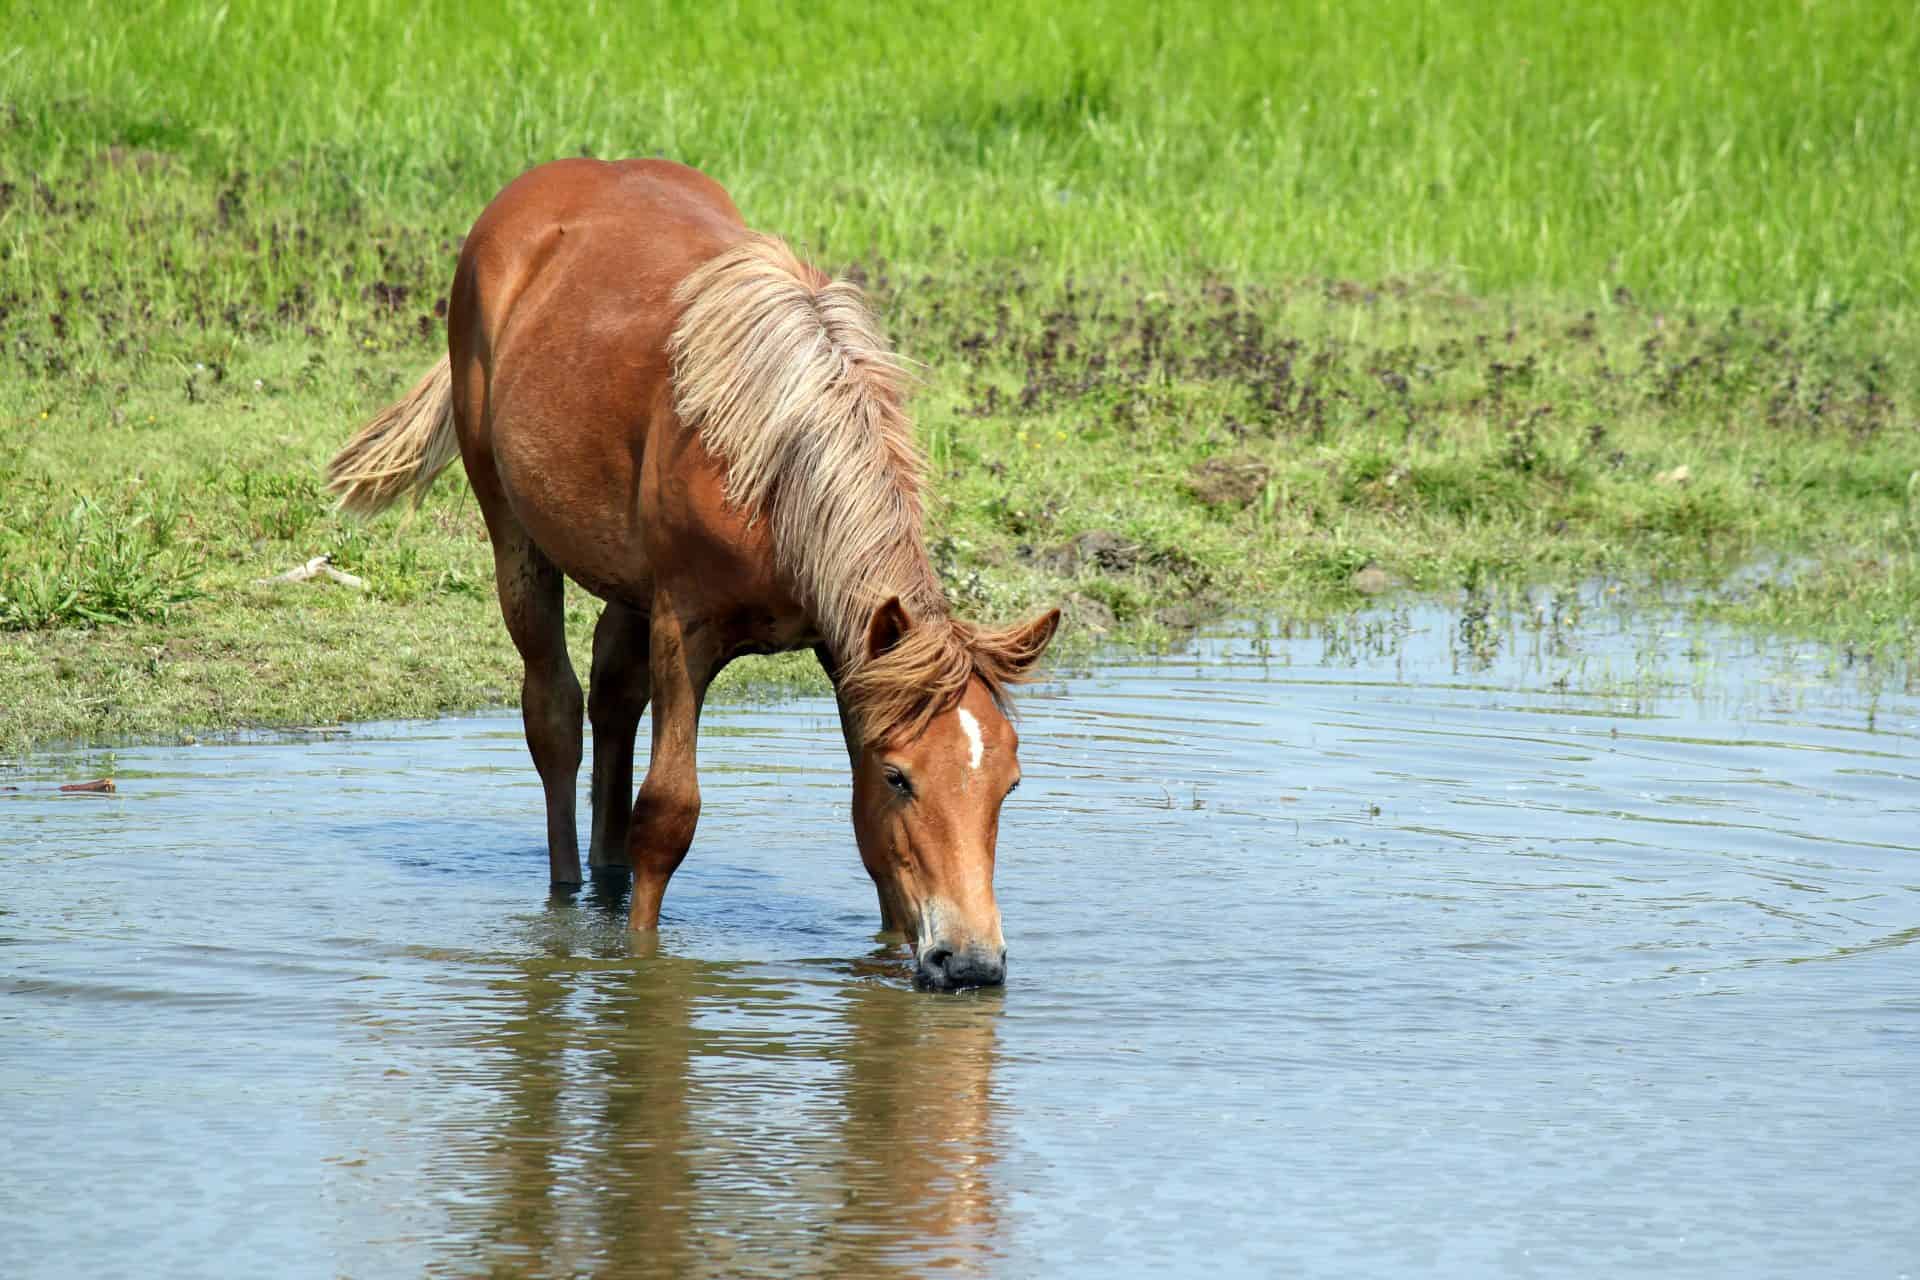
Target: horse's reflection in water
{"x":918,"y":1142}
{"x":667,"y":1116}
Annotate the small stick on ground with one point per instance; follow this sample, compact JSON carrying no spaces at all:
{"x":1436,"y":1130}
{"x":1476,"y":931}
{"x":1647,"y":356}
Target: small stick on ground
{"x":318,"y":567}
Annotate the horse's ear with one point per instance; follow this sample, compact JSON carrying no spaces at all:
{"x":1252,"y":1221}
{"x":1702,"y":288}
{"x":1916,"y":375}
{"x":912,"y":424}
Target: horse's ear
{"x":887,"y":628}
{"x":1027,"y":643}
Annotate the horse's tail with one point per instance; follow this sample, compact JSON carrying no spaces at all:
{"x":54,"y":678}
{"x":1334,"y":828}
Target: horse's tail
{"x":406,"y":445}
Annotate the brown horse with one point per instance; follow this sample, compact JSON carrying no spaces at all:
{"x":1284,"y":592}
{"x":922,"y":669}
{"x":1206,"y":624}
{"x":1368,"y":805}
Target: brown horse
{"x":709,"y":434}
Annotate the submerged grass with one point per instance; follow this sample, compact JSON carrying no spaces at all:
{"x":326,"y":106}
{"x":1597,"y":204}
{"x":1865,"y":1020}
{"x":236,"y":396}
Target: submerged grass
{"x":1219,"y":309}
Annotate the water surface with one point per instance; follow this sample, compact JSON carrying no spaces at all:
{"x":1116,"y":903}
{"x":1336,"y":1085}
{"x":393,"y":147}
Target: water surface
{"x":1346,"y":953}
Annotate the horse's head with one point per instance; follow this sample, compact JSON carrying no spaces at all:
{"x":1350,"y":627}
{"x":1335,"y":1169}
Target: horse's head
{"x":927,"y":795}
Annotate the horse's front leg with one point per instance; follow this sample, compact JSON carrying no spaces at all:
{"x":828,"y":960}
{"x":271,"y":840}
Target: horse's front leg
{"x":684,"y":657}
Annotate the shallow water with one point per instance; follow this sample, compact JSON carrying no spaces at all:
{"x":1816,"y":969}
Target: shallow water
{"x":1346,"y":953}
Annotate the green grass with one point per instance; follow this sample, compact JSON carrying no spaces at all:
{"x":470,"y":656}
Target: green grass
{"x":1257,"y":300}
{"x":1711,"y":153}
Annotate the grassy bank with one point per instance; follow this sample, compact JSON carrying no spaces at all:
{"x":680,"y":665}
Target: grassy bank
{"x":1214,"y":317}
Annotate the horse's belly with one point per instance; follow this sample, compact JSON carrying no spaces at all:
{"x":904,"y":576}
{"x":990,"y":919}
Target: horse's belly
{"x":576,"y":493}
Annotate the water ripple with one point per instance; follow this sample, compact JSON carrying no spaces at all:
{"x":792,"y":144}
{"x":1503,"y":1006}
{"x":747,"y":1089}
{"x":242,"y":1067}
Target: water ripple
{"x":1325,"y":958}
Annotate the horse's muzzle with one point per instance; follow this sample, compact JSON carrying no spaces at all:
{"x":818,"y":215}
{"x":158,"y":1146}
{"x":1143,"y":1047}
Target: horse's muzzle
{"x":942,"y":968}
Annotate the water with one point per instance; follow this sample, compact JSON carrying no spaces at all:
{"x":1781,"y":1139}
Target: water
{"x":1344,"y":954}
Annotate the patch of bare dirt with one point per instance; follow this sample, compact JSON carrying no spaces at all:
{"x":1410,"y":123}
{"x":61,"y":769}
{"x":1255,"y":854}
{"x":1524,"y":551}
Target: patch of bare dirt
{"x":1233,"y":481}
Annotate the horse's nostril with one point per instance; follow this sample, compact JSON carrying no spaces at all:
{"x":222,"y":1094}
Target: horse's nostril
{"x":942,"y":969}
{"x":935,"y":969}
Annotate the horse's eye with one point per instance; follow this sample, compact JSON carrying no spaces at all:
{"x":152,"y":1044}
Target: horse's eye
{"x":897,"y":779}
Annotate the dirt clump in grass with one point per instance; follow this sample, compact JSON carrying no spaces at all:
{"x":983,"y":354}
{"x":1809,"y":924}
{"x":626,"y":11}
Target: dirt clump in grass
{"x":1100,"y":550}
{"x":1372,"y":580}
{"x":1233,"y":481}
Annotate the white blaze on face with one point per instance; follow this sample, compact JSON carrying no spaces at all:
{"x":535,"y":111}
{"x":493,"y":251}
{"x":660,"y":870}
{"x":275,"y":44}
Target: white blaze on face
{"x":975,"y":746}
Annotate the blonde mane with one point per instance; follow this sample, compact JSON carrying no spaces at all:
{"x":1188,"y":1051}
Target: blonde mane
{"x":790,"y":382}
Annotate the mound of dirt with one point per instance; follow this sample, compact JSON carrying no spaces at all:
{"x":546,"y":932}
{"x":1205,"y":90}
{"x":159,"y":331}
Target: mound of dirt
{"x":1233,"y":481}
{"x":1097,"y":549}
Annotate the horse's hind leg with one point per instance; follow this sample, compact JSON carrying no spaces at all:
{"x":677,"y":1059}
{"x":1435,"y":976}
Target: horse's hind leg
{"x":616,"y":697}
{"x":532,"y":602}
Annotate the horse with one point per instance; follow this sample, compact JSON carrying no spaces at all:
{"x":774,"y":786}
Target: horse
{"x":710,"y":435}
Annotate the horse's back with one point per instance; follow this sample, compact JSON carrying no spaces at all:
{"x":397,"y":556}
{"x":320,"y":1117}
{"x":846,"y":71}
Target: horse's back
{"x":588,"y":233}
{"x":558,"y":324}
{"x":673,"y":202}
